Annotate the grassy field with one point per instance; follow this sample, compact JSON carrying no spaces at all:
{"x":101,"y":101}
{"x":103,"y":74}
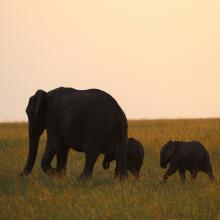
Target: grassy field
{"x":40,"y":197}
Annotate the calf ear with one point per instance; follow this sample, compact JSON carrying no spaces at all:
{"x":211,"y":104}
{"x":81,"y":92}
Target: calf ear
{"x":170,"y":150}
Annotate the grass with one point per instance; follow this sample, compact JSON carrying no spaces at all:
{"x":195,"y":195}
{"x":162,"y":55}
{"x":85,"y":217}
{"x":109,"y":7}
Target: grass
{"x":41,"y":197}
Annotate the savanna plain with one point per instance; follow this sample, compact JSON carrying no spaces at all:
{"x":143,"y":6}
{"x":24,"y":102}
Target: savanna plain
{"x":40,"y":197}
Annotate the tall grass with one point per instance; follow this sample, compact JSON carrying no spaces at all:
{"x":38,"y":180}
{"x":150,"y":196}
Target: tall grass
{"x":41,"y":197}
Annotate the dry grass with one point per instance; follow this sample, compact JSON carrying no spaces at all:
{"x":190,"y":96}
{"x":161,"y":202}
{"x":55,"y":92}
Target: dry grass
{"x":40,"y":197}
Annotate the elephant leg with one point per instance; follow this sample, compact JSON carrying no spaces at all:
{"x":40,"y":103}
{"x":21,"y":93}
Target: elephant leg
{"x":48,"y":156}
{"x":211,"y":177}
{"x":193,"y":174}
{"x":62,"y":156}
{"x":116,"y":173}
{"x":136,"y":171}
{"x":121,"y":165}
{"x":132,"y":168}
{"x":182,"y":175}
{"x":209,"y":172}
{"x":90,"y":159}
{"x":171,"y":170}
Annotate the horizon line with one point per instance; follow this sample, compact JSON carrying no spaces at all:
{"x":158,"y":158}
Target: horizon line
{"x":130,"y":119}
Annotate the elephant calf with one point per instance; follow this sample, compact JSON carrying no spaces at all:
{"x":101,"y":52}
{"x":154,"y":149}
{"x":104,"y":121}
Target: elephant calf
{"x":135,"y":156}
{"x":184,"y":156}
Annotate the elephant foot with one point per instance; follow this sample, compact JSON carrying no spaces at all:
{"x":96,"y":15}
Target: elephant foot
{"x":165,"y":178}
{"x":61,"y":172}
{"x":212,"y":179}
{"x":137,"y":176}
{"x":51,"y":171}
{"x":120,"y":177}
{"x":123,"y":175}
{"x":123,"y":178}
{"x":25,"y":172}
{"x":22,"y":174}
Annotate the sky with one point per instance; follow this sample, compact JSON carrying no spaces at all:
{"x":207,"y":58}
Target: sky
{"x":159,"y":59}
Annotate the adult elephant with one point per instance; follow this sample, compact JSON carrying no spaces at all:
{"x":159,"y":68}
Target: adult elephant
{"x":89,"y":121}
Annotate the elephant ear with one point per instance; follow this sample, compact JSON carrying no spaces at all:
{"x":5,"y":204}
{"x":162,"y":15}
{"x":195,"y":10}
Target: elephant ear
{"x":39,"y":102}
{"x":170,"y":149}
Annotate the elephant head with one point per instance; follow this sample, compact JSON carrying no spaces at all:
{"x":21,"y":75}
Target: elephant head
{"x":36,"y":125}
{"x":166,"y":153}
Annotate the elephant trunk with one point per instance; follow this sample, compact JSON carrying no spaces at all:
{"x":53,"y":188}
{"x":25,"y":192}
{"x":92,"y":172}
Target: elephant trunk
{"x":163,"y":164}
{"x":33,"y":147}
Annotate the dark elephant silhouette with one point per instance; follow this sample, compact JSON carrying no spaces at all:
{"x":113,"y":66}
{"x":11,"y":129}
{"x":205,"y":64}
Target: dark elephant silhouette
{"x":89,"y":121}
{"x":135,"y":157}
{"x":184,"y":156}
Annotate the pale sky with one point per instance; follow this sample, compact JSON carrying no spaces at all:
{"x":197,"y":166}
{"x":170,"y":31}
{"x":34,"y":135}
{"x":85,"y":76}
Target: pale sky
{"x":159,"y":59}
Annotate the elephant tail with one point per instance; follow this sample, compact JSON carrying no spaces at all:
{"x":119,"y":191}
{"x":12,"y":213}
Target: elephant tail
{"x":106,"y":162}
